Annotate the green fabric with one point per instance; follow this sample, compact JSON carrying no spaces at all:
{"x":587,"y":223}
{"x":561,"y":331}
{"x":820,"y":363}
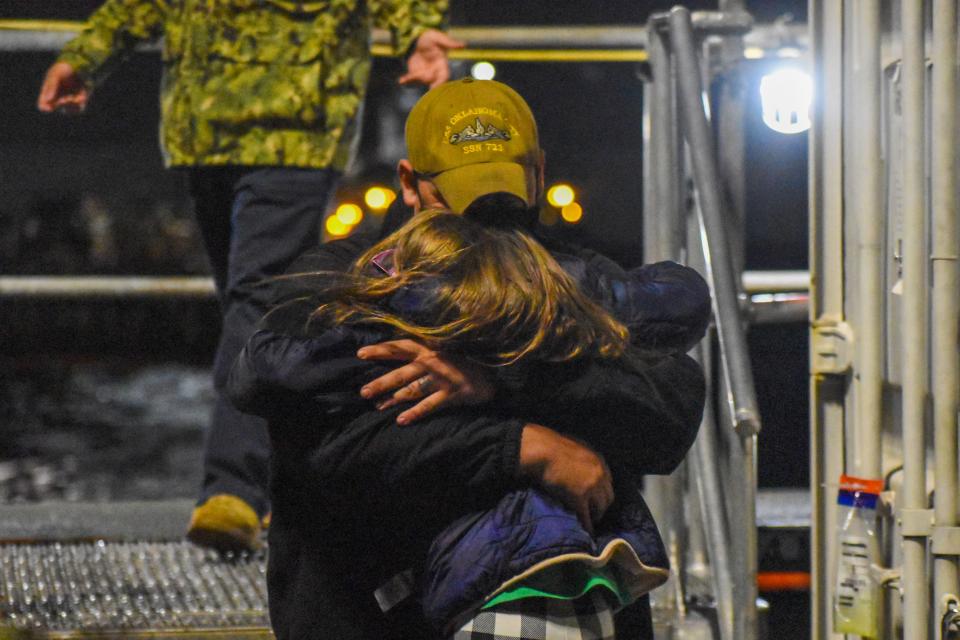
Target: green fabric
{"x":567,"y":581}
{"x":253,"y":82}
{"x":521,"y":592}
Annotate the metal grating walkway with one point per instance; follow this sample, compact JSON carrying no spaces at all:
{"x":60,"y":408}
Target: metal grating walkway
{"x":138,"y":589}
{"x":121,"y":570}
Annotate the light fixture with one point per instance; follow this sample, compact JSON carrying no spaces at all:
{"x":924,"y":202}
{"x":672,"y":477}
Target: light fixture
{"x":336,"y":228}
{"x":483,"y":71}
{"x":379,"y":198}
{"x":349,"y":214}
{"x":786,"y":96}
{"x":572,"y":213}
{"x":560,"y":195}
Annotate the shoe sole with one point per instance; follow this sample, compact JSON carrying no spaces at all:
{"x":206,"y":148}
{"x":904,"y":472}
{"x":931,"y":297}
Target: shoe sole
{"x":229,"y":540}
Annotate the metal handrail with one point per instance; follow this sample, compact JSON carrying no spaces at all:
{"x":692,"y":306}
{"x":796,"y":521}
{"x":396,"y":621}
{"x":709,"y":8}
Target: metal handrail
{"x":676,"y":66}
{"x":767,"y":288}
{"x":697,"y":132}
{"x":571,"y":43}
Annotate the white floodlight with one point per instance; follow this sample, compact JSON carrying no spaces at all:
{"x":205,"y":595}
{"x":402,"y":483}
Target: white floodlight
{"x":483,"y":71}
{"x":786,"y":96}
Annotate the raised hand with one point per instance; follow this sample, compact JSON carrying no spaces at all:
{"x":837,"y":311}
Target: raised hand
{"x":428,"y":63}
{"x":63,"y":90}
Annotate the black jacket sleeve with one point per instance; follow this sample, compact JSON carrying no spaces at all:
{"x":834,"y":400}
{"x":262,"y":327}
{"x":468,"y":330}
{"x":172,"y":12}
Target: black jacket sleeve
{"x":300,"y":279}
{"x":331,"y":444}
{"x":643,"y":414}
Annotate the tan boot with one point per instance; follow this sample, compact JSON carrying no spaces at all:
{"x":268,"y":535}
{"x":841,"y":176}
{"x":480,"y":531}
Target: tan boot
{"x":226,"y":523}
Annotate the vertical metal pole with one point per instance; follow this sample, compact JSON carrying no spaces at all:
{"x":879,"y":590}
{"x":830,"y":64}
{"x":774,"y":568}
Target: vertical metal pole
{"x":827,"y":389}
{"x":741,"y":397}
{"x":662,"y":241}
{"x":662,"y":245}
{"x":914,"y":309}
{"x":869,"y":210}
{"x":710,"y":489}
{"x":708,"y":478}
{"x":731,"y":139}
{"x":696,"y":128}
{"x":946,"y":305}
{"x":667,"y":242}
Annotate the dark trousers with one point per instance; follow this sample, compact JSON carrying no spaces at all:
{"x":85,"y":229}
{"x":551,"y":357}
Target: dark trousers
{"x":254,"y":222}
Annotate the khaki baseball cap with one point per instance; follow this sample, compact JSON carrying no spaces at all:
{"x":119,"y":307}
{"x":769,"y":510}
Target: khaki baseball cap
{"x":474,"y":137}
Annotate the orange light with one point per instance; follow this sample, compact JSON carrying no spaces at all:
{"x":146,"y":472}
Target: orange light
{"x":379,"y":198}
{"x":349,"y":214}
{"x":783,"y":581}
{"x":336,"y":228}
{"x":572,"y":213}
{"x":560,"y":195}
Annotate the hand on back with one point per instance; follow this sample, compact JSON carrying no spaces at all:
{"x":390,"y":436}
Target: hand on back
{"x":570,"y":471}
{"x":434,"y":379}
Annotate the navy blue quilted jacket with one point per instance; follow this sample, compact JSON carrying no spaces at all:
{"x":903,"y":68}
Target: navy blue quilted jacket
{"x":530,"y":544}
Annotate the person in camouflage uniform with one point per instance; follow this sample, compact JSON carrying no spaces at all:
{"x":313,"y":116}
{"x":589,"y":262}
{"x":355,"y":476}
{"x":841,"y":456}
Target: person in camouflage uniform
{"x":260,"y":102}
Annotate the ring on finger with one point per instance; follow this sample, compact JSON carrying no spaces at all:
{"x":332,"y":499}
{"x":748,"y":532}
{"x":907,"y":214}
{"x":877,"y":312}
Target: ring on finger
{"x":424,"y":383}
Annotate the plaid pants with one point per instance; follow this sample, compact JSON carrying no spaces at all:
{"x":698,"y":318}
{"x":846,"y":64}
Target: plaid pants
{"x":587,"y":618}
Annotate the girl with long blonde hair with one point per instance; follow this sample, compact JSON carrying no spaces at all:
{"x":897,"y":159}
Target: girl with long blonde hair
{"x":360,"y":500}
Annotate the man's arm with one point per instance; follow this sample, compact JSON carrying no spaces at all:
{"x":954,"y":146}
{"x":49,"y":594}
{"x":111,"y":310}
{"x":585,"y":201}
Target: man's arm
{"x":111,"y":32}
{"x":305,"y":386}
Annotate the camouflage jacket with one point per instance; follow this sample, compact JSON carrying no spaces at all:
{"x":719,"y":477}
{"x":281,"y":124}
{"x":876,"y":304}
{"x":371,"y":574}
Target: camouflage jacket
{"x":253,"y":82}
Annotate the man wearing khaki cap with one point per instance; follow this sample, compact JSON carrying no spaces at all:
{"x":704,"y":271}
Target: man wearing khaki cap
{"x":468,"y":139}
{"x":474,"y":149}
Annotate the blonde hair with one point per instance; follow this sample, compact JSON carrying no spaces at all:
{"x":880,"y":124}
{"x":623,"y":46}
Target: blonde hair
{"x":495,"y":295}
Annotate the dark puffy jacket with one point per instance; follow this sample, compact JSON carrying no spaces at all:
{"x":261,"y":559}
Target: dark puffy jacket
{"x":348,"y":483}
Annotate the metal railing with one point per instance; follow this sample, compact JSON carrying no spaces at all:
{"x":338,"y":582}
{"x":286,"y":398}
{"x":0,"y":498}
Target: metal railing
{"x":765,"y":286}
{"x":681,"y":141}
{"x":608,"y":43}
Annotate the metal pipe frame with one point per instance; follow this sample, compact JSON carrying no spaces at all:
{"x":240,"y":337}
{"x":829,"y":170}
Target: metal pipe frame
{"x":737,"y":382}
{"x":709,"y":486}
{"x":827,"y":293}
{"x":664,"y":493}
{"x":945,"y":295}
{"x":778,"y":308}
{"x":914,"y":319}
{"x":869,"y":205}
{"x":696,"y":129}
{"x":49,"y":35}
{"x":666,"y":218}
{"x":534,"y":43}
{"x":775,"y":281}
{"x":759,"y":283}
{"x":83,"y":287}
{"x":708,"y":478}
